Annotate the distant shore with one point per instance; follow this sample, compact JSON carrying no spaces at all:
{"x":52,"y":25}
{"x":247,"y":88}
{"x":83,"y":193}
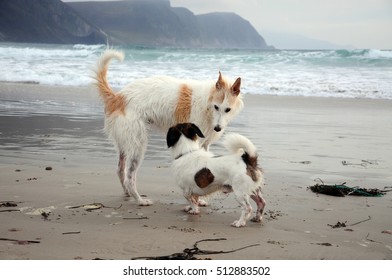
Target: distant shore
{"x":55,"y":167}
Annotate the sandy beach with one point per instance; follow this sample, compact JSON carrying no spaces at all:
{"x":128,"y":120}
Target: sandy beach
{"x":61,"y":199}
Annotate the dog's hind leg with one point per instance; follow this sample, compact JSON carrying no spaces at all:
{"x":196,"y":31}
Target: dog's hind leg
{"x":132,"y":167}
{"x":134,"y":147}
{"x":260,"y":202}
{"x":246,"y":212}
{"x":121,"y":172}
{"x":130,"y":134}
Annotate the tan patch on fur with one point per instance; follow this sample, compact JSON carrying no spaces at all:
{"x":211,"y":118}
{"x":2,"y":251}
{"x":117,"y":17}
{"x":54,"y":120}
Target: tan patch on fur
{"x":204,"y":178}
{"x":222,"y":90}
{"x":216,"y":95}
{"x":232,"y":100}
{"x":219,"y":96}
{"x":113,"y":102}
{"x":184,"y":104}
{"x":221,"y":83}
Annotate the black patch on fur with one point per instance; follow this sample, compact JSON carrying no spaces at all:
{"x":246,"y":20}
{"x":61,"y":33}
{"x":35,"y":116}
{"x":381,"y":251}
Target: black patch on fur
{"x":172,"y":136}
{"x":189,"y":130}
{"x":204,"y":178}
{"x":252,"y":169}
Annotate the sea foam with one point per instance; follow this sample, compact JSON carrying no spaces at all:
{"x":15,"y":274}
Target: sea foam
{"x":325,"y":73}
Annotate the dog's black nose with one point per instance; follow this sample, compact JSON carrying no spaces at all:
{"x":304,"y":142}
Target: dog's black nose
{"x":217,"y":128}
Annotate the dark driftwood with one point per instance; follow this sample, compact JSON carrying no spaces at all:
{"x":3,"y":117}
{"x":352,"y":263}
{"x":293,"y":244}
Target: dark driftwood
{"x":10,"y":210}
{"x":189,"y":253}
{"x":368,"y":219}
{"x":136,"y":218}
{"x":71,"y":232}
{"x":93,"y":206}
{"x":20,"y":241}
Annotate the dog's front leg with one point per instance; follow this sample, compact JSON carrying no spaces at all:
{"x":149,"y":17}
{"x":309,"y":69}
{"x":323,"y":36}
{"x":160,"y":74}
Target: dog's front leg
{"x":193,"y":207}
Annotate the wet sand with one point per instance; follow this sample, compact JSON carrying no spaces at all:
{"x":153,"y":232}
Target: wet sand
{"x":299,"y":140}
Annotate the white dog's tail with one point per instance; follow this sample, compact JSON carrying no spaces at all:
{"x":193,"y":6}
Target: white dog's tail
{"x":235,"y":142}
{"x":105,"y":91}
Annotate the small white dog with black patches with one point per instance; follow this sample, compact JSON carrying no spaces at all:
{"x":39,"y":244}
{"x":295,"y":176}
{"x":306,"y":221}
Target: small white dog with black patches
{"x":161,"y":102}
{"x":199,"y":173}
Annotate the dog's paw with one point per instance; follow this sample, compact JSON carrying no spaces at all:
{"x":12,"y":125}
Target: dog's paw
{"x":191,"y":211}
{"x":194,"y":212}
{"x":256,"y":219}
{"x":202,"y":203}
{"x":144,"y":202}
{"x":238,"y":224}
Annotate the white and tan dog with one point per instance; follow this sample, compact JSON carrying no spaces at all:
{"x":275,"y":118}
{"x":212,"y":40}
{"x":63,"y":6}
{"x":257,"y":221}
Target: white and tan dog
{"x":199,"y":173}
{"x":161,"y":102}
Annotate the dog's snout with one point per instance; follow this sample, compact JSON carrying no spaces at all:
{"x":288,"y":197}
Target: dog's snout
{"x":217,"y":128}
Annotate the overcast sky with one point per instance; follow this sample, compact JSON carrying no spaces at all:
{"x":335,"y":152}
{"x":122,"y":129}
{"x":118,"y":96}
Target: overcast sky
{"x":357,"y":23}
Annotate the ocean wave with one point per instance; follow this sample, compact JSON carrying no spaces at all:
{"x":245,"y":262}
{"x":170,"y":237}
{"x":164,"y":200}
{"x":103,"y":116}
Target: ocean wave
{"x":365,"y":53}
{"x":332,"y":73}
{"x":89,"y":47}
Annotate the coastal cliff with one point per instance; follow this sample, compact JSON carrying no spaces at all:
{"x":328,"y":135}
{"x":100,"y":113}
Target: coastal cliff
{"x":45,"y":21}
{"x":133,"y":22}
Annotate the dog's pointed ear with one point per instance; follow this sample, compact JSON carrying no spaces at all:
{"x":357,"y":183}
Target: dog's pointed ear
{"x":236,"y":87}
{"x":172,"y":136}
{"x":220,"y":83}
{"x":197,"y":131}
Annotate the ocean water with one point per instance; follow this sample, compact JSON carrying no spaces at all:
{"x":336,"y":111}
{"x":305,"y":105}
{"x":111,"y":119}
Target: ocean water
{"x":321,"y":73}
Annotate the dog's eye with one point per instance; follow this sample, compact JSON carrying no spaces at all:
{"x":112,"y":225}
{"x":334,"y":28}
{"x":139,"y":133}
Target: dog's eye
{"x":216,"y":107}
{"x":227,"y":110}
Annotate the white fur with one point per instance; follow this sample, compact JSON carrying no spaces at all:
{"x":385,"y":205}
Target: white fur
{"x":236,"y":143}
{"x":151,"y":103}
{"x":228,"y":170}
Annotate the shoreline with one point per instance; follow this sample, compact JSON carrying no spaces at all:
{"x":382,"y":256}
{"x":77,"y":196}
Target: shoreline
{"x":299,"y":139}
{"x":27,"y":86}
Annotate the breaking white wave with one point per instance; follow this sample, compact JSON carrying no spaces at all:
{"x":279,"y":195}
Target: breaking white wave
{"x":325,"y":73}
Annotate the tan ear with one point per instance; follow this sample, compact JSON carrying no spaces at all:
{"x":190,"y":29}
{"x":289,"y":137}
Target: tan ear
{"x":220,"y":83}
{"x":236,"y":87}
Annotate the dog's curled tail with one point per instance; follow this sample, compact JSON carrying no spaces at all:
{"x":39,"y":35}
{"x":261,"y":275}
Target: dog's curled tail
{"x":236,"y":143}
{"x":105,"y":91}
